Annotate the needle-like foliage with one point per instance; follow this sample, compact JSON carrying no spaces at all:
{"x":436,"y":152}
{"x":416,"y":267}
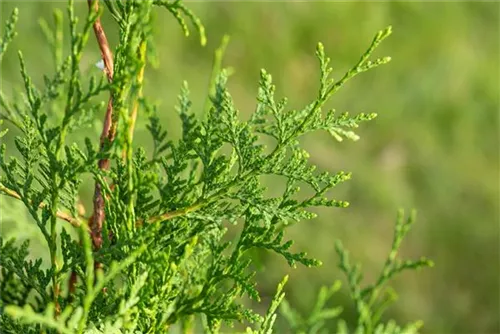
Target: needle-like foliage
{"x":154,"y":254}
{"x":370,"y":302}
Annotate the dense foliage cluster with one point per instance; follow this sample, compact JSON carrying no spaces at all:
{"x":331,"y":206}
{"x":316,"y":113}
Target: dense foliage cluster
{"x":153,"y":254}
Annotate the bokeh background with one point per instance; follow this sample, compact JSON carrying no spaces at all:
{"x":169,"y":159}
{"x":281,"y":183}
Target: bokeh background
{"x":434,"y":146}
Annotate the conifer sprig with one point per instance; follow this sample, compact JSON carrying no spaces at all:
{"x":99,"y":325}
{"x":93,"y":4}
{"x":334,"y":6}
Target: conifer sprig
{"x":9,"y":32}
{"x":371,"y":301}
{"x":160,"y":251}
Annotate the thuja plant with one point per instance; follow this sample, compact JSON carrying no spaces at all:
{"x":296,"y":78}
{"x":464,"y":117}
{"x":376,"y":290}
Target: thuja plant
{"x":153,"y":253}
{"x":370,"y":301}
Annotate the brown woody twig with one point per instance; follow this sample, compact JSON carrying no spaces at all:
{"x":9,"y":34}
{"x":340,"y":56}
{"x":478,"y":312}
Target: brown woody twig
{"x":61,"y":215}
{"x":108,"y":130}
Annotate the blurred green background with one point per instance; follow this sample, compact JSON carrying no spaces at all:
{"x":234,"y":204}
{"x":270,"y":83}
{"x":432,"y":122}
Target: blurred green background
{"x":434,"y":146}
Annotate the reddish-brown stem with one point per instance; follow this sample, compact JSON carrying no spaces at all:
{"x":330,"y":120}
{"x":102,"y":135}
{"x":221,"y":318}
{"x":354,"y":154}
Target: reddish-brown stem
{"x":96,"y":221}
{"x":108,"y":130}
{"x":106,"y":54}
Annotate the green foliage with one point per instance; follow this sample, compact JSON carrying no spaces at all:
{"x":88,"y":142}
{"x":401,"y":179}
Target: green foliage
{"x":370,"y":301}
{"x":9,"y":32}
{"x":162,"y":258}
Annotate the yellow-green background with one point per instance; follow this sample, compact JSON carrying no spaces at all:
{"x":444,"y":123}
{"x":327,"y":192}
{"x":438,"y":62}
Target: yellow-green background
{"x":434,"y":146}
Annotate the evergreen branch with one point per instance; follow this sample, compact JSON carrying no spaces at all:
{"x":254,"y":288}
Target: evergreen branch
{"x":176,"y":7}
{"x":196,"y":22}
{"x":76,"y":222}
{"x":314,"y":319}
{"x":101,"y":279}
{"x":27,"y":315}
{"x":369,"y":312}
{"x":115,"y":11}
{"x":216,"y":68}
{"x":140,"y":79}
{"x":392,"y":266}
{"x":266,"y":327}
{"x":14,"y":260}
{"x":9,"y":33}
{"x":57,"y":178}
{"x":128,"y":271}
{"x":173,"y":214}
{"x":54,"y":38}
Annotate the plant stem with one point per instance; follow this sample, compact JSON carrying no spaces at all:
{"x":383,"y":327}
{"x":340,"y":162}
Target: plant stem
{"x":108,"y":130}
{"x":131,"y":120}
{"x":140,"y":80}
{"x":75,"y":221}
